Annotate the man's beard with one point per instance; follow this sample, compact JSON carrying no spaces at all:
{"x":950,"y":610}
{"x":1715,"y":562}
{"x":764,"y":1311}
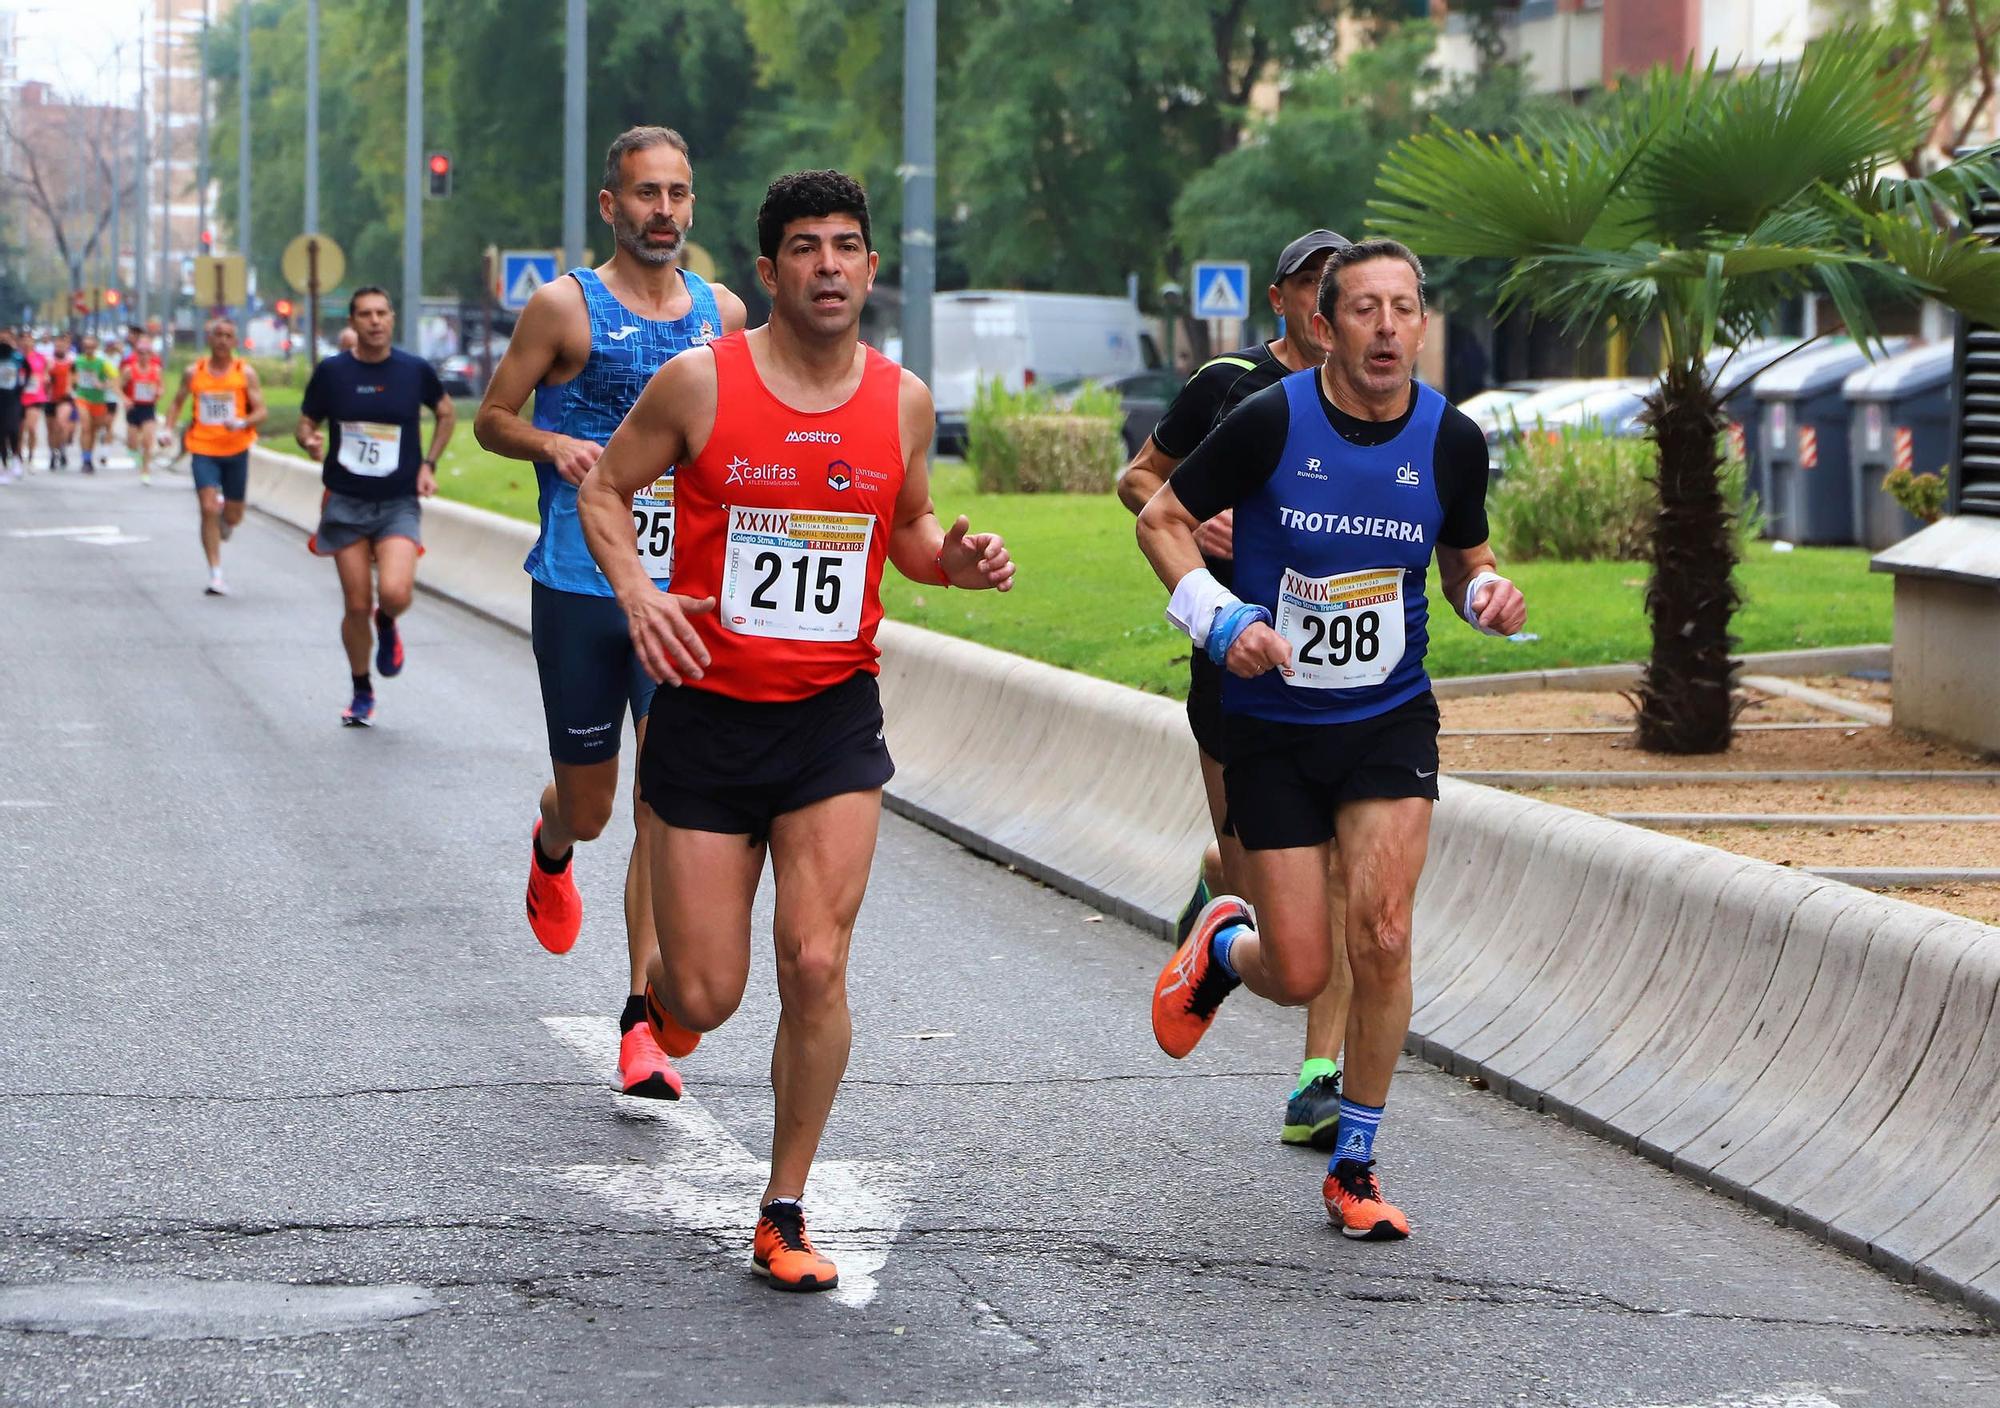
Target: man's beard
{"x":632,"y":239}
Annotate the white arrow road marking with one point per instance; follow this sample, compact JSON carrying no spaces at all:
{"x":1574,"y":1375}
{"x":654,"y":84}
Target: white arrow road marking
{"x":92,"y":531}
{"x":709,"y":1182}
{"x":1763,"y":1400}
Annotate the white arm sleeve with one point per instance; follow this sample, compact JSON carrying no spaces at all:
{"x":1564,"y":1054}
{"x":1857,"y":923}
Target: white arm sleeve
{"x":1195,"y":602}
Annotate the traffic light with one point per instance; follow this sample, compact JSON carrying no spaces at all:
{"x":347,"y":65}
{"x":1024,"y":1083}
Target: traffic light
{"x":207,"y":241}
{"x":438,"y":167}
{"x":283,"y":308}
{"x":112,"y":298}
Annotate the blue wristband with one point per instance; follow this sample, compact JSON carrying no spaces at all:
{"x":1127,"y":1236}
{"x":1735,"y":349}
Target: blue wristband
{"x":1229,"y":624}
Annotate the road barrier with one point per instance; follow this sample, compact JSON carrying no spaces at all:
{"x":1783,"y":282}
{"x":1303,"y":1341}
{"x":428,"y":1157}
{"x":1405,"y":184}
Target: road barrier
{"x":1826,"y":1055}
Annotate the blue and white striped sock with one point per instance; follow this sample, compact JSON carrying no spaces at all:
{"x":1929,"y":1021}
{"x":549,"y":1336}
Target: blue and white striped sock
{"x":1355,"y":1138}
{"x":1219,"y":947}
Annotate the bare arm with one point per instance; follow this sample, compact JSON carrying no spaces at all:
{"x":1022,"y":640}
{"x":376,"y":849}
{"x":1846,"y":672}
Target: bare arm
{"x":180,"y":396}
{"x":1143,"y":478}
{"x":310,"y":437}
{"x":1499,"y":605}
{"x":446,"y":415}
{"x":553,"y":335}
{"x":919,"y":545}
{"x":670,"y":421}
{"x":253,"y":398}
{"x":734,"y":314}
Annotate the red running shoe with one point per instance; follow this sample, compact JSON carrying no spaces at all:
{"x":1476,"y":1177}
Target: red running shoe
{"x":1355,"y":1203}
{"x":643,"y":1069}
{"x":1193,"y":984}
{"x":555,"y":909}
{"x":782,"y":1251}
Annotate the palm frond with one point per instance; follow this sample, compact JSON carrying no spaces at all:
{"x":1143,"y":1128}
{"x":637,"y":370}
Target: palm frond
{"x":1733,"y":148}
{"x":1456,"y":193}
{"x":1951,"y":190}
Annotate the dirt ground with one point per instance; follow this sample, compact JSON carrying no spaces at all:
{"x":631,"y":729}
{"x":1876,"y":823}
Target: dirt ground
{"x":1853,"y":747}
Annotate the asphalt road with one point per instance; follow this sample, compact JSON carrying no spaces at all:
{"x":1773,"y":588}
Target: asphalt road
{"x":293,"y":1109}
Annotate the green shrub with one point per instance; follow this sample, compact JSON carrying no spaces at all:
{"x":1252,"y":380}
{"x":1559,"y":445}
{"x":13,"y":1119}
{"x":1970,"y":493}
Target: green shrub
{"x":1582,"y":495}
{"x":1921,"y":495}
{"x":1022,"y":442}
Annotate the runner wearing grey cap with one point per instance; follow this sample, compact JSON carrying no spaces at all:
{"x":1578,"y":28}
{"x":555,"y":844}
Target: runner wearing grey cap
{"x":1313,"y":1111}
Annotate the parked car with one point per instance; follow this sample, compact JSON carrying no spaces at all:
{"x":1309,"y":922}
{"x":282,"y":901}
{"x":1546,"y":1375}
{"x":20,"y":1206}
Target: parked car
{"x":458,"y":374}
{"x":1142,"y":396}
{"x":1026,"y":339}
{"x":1613,"y":409}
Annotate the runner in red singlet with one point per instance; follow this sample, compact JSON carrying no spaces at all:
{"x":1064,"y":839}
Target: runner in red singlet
{"x":802,"y":469}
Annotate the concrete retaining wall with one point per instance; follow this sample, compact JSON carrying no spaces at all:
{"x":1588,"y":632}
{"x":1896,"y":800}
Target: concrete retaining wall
{"x":1822,"y":1053}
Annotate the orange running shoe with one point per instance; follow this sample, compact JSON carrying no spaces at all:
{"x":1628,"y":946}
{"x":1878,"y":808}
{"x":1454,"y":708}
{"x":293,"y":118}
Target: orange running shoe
{"x":643,"y":1069}
{"x":674,"y":1039}
{"x":782,"y":1251}
{"x":1192,"y":985}
{"x":555,"y":909}
{"x":1354,"y":1201}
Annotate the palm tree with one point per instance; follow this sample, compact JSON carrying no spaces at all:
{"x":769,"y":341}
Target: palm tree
{"x":1697,"y":203}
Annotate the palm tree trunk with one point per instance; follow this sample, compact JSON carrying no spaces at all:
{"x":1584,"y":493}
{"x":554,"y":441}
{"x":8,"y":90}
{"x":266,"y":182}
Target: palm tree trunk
{"x":1684,"y":696}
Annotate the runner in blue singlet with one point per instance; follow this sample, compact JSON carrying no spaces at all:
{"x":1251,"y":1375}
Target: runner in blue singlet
{"x":1345,"y":479}
{"x":585,"y":347}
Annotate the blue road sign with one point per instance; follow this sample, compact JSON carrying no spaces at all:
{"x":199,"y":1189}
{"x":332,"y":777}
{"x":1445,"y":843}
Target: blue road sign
{"x":522,"y":271}
{"x":1221,"y":289}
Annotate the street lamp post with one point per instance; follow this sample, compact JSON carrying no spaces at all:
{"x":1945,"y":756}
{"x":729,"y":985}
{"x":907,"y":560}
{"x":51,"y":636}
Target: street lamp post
{"x":243,"y":138}
{"x":413,"y":191}
{"x":919,"y":181}
{"x":312,"y":117}
{"x":575,"y":44}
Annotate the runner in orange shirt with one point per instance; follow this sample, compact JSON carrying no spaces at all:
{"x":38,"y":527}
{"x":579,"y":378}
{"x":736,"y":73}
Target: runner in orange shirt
{"x":228,"y":408}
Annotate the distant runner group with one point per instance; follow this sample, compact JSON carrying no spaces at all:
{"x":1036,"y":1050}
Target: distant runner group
{"x":717,"y":507}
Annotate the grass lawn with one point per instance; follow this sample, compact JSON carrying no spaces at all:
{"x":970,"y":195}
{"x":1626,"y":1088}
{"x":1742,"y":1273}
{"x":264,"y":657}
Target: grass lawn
{"x":1086,"y":600}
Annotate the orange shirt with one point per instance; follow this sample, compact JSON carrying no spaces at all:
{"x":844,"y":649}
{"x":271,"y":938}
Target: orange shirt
{"x":218,"y":399}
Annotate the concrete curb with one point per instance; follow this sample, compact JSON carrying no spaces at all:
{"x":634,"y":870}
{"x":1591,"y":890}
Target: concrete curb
{"x":1889,"y":877}
{"x":1829,"y":660}
{"x":1821,"y":1053}
{"x":1666,"y":778}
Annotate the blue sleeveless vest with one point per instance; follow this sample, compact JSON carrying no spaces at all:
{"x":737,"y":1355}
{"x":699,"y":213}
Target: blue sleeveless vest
{"x":1321,"y":544}
{"x":625,"y":351}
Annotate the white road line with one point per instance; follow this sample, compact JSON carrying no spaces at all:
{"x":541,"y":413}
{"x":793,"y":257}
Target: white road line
{"x":709,"y":1182}
{"x":1781,"y":1399}
{"x":91,"y":531}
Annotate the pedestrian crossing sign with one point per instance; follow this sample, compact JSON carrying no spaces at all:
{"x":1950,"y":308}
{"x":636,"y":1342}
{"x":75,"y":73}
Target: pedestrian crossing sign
{"x":522,"y":271}
{"x":1221,"y":289}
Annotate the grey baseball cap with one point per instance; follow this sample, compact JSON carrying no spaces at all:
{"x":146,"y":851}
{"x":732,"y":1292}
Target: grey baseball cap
{"x":1305,"y":247}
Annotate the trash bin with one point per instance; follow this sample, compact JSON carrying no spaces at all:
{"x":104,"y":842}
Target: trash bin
{"x":1803,"y":446}
{"x":1735,"y":372}
{"x":1899,"y":418}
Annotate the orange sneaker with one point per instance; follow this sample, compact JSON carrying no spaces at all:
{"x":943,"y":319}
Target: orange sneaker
{"x":674,"y":1039}
{"x":1192,"y":985}
{"x":782,"y":1251}
{"x":643,"y":1069}
{"x":1354,"y":1201}
{"x":555,"y":909}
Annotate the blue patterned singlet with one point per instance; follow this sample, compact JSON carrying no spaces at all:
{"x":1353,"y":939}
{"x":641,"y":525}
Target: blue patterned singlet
{"x":625,"y":351}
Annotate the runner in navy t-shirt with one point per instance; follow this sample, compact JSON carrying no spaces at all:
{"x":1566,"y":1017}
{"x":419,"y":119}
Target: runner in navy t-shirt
{"x":370,"y":403}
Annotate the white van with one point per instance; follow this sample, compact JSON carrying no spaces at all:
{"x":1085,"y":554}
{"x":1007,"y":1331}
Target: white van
{"x":1026,"y":339}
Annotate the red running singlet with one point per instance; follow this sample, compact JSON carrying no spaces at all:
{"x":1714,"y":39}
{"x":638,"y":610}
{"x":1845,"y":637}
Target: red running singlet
{"x":784,"y":519}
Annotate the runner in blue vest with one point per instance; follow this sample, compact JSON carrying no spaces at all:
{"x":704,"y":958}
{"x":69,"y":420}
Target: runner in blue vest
{"x":1345,"y":478}
{"x":585,"y":347}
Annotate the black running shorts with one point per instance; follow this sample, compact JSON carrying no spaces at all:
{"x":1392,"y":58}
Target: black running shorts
{"x":1204,"y":703}
{"x":590,"y":672}
{"x":140,"y":413}
{"x":1285,"y":782}
{"x":713,"y":763}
